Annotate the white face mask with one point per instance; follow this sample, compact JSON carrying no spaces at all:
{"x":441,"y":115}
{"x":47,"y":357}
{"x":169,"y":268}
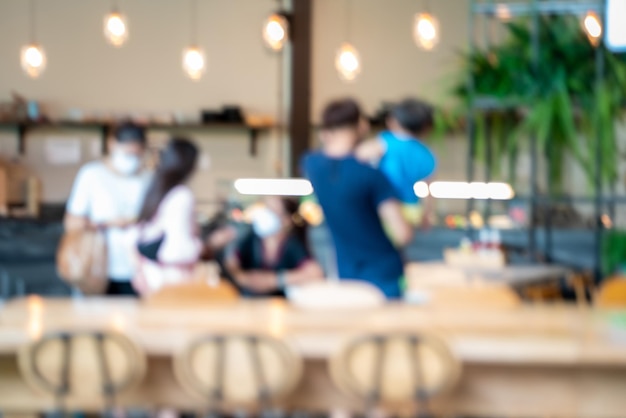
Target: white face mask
{"x":265,"y":223}
{"x":125,"y":163}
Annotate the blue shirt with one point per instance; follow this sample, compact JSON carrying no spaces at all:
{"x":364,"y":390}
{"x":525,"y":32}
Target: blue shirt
{"x":405,"y":162}
{"x":350,"y":193}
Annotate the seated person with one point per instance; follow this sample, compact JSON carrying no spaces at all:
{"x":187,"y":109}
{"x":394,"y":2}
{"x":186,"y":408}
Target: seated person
{"x":401,"y":156}
{"x":274,"y":255}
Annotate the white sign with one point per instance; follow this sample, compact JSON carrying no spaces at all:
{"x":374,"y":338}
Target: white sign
{"x":62,"y":151}
{"x":615,"y":28}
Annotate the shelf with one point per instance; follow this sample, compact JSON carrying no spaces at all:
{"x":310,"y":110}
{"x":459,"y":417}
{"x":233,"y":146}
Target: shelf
{"x":22,"y":129}
{"x":515,"y":9}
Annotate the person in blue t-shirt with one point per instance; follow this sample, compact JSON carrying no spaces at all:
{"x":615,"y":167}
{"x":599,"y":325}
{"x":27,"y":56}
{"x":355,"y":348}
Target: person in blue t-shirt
{"x":401,"y":156}
{"x":356,"y":200}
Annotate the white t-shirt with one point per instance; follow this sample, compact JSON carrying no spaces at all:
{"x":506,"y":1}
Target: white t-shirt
{"x":175,"y":221}
{"x":102,"y":195}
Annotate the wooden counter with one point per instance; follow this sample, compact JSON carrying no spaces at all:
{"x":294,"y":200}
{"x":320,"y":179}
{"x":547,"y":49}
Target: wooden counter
{"x":527,"y":361}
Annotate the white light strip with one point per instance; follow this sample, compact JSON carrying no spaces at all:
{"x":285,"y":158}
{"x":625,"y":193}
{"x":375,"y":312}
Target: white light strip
{"x":274,"y":187}
{"x":464,"y":190}
{"x":615,"y":28}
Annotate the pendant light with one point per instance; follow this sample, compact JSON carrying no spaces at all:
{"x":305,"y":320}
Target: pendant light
{"x":426,"y":29}
{"x":276,"y":29}
{"x":592,"y":26}
{"x":32,"y":55}
{"x":115,"y":26}
{"x":347,"y":59}
{"x":194,"y":59}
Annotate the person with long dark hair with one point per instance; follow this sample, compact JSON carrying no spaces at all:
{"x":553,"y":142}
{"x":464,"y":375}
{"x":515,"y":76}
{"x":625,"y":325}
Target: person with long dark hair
{"x":107,"y":194}
{"x":168,"y":242}
{"x":274,"y":255}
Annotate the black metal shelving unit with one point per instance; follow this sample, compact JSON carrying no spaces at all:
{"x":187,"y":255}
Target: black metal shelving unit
{"x":534,"y":10}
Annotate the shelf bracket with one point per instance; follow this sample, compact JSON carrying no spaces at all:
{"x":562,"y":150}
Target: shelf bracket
{"x":21,"y":129}
{"x":104,"y":134}
{"x":254,"y":136}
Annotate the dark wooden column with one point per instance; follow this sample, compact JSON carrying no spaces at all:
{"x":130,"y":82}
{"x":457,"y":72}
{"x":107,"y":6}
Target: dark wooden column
{"x":299,"y":118}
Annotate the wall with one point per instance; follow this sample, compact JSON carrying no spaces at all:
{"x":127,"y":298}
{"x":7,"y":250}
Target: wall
{"x":393,"y":66}
{"x":144,"y":78}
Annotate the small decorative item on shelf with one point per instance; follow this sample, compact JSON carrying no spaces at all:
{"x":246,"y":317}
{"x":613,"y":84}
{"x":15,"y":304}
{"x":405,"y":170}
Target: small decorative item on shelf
{"x":228,"y":114}
{"x":211,"y":116}
{"x":259,"y":120}
{"x":233,"y":114}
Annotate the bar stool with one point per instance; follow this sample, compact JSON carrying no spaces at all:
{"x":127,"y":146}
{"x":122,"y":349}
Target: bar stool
{"x":235,"y":371}
{"x":395,"y":370}
{"x":83,"y":368}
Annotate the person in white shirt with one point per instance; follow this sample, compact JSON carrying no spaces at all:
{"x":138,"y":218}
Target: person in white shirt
{"x":108,"y":194}
{"x":167,"y":233}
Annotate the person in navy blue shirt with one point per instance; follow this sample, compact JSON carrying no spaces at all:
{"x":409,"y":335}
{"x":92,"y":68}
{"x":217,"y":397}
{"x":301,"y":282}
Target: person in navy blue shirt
{"x":356,"y":200}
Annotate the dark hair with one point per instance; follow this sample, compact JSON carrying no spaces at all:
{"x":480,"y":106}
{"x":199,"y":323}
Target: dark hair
{"x":413,"y":115}
{"x":341,"y":113}
{"x":129,"y":132}
{"x":298,"y":224}
{"x":177,"y":162}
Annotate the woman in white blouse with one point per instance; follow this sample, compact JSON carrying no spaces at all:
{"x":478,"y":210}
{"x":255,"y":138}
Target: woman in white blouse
{"x":167,"y":235}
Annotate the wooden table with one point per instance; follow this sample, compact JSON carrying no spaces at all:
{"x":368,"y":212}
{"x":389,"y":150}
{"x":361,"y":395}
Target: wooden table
{"x":528,"y":280}
{"x":557,"y":361}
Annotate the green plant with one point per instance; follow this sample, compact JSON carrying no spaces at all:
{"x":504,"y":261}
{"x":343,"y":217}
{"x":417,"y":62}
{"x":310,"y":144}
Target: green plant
{"x":613,"y":251}
{"x":550,"y":93}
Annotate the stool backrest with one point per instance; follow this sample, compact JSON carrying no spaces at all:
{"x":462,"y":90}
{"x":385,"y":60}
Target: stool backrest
{"x":82,"y":365}
{"x":612,"y":293}
{"x":395,"y":369}
{"x":196,"y":293}
{"x":238,"y":370}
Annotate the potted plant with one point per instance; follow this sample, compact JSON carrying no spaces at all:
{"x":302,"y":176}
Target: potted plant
{"x":550,"y":93}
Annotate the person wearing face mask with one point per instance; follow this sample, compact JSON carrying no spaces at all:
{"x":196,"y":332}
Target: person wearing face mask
{"x":108,"y":194}
{"x":274,"y":255}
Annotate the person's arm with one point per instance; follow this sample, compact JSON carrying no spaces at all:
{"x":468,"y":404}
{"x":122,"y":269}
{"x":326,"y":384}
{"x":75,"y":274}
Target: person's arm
{"x":265,"y":281}
{"x":389,"y":209}
{"x":217,"y":241}
{"x":391,"y":215}
{"x":370,"y":151}
{"x":308,"y":271}
{"x":77,"y":209}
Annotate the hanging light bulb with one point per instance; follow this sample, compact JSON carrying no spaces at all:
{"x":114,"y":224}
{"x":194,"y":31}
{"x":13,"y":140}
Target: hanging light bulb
{"x":194,"y":62}
{"x":592,"y":27}
{"x":425,"y":31}
{"x":33,"y":59}
{"x":194,"y":59}
{"x":276,"y":31}
{"x":348,"y":62}
{"x":33,"y":56}
{"x":115,"y":28}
